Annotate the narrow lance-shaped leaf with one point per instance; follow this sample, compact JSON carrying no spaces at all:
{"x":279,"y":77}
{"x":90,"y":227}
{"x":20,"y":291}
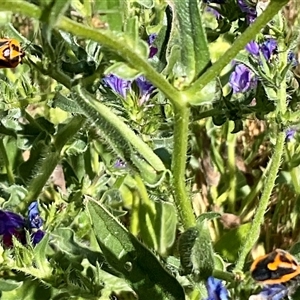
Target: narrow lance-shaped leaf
{"x":194,"y":53}
{"x":132,"y":259}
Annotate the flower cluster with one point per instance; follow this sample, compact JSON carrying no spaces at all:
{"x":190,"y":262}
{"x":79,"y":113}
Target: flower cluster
{"x":12,"y":224}
{"x":268,"y":48}
{"x":121,"y":86}
{"x":243,"y":79}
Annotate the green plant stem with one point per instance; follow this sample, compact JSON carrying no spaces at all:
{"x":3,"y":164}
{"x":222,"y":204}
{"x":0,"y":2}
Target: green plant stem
{"x":228,"y":277}
{"x":282,"y":104}
{"x":50,"y":162}
{"x":182,"y":201}
{"x":275,"y":162}
{"x":231,"y":166}
{"x":240,"y":43}
{"x":254,"y":231}
{"x":295,"y":179}
{"x":8,"y":166}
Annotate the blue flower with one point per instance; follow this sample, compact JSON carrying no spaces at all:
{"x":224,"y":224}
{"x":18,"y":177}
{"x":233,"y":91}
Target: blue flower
{"x":215,"y":289}
{"x":117,"y":84}
{"x":272,"y":292}
{"x":37,"y":236}
{"x":35,"y":221}
{"x":12,"y":224}
{"x":242,"y":79}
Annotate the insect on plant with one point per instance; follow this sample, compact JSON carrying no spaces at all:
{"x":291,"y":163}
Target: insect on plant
{"x":275,"y":268}
{"x":11,"y":53}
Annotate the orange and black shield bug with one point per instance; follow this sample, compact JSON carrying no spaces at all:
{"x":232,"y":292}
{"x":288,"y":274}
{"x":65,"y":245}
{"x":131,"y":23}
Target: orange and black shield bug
{"x":276,"y":267}
{"x":11,"y":53}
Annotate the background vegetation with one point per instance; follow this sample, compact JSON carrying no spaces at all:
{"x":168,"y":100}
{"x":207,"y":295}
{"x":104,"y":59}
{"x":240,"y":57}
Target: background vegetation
{"x":147,"y":185}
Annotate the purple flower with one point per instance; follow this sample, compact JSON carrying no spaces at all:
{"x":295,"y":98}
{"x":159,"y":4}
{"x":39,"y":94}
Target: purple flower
{"x":272,"y":292}
{"x":215,"y":289}
{"x":289,"y":134}
{"x":153,"y":49}
{"x":253,"y":48}
{"x":117,"y":84}
{"x":145,"y":89}
{"x":12,"y":224}
{"x":250,"y":11}
{"x":268,"y":48}
{"x":121,"y":86}
{"x":120,"y":164}
{"x":242,"y":79}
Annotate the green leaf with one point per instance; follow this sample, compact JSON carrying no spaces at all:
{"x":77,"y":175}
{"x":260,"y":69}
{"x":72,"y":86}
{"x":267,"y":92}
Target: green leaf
{"x":146,"y":3}
{"x":194,"y":56}
{"x":229,"y":243}
{"x":158,"y":228}
{"x":208,"y":216}
{"x":219,"y":263}
{"x":206,"y":95}
{"x":9,"y":285}
{"x":82,"y":9}
{"x":196,"y":252}
{"x":123,"y":71}
{"x":30,"y":289}
{"x":63,"y":240}
{"x":41,"y":260}
{"x":112,"y":12}
{"x":132,"y":259}
{"x":17,"y":194}
{"x":52,"y":12}
{"x":65,"y":104}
